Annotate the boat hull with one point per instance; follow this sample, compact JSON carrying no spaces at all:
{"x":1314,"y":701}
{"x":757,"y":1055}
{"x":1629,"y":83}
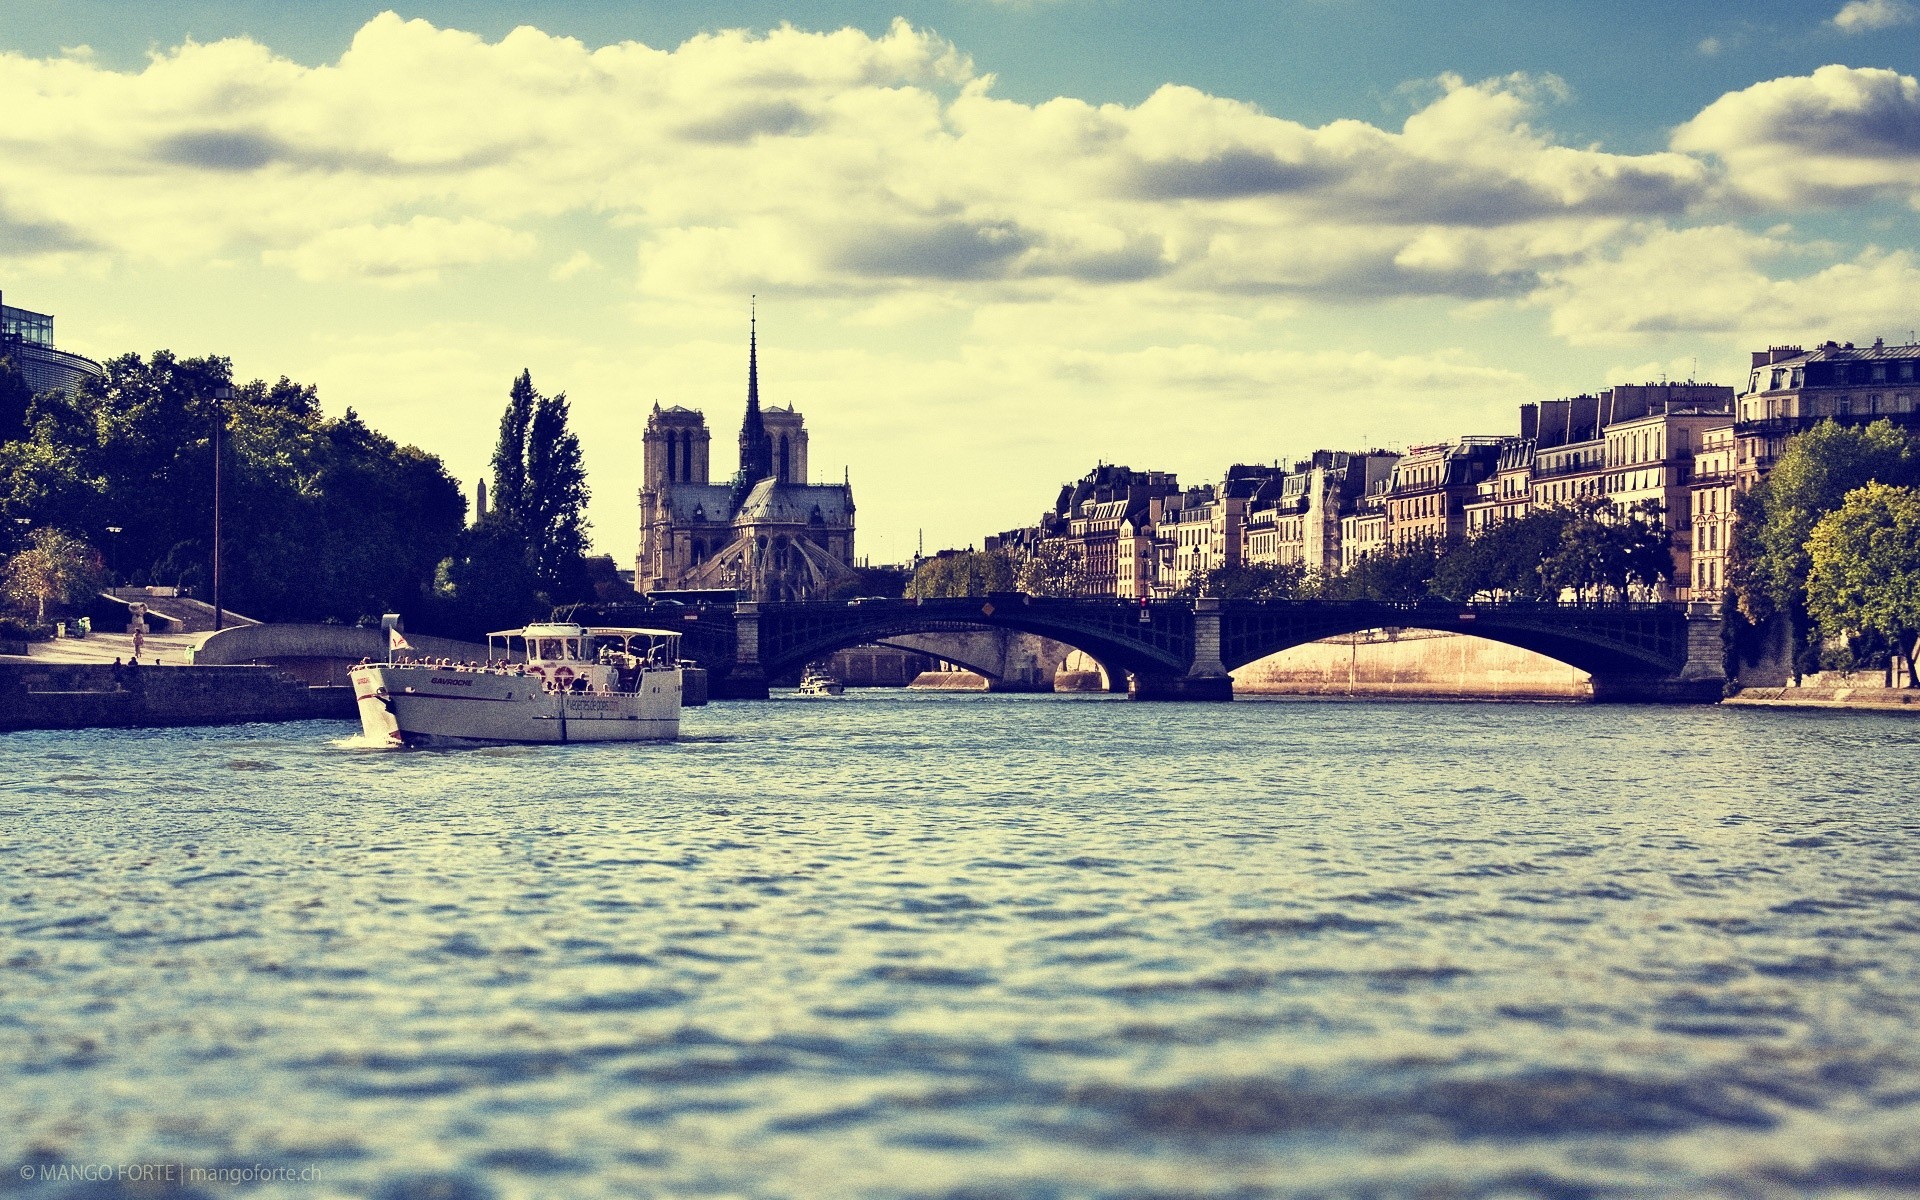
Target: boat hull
{"x":428,"y":706}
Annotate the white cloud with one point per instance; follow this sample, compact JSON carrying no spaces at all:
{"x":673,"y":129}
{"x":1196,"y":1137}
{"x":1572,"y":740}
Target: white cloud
{"x":1725,"y":280}
{"x":1841,"y":135}
{"x":832,"y":163}
{"x":577,"y":263}
{"x":401,"y":254}
{"x":1143,"y":275}
{"x":1865,"y":16}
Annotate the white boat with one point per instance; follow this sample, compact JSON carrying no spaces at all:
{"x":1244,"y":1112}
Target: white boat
{"x":549,"y":682}
{"x":817,"y":681}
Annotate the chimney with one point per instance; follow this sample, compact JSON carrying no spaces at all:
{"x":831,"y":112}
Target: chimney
{"x":1529,"y":420}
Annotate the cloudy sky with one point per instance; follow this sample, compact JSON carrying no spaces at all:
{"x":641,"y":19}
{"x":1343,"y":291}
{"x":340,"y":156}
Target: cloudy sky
{"x":994,"y":241}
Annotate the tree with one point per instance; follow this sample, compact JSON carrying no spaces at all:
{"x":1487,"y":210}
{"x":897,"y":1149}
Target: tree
{"x":1055,"y":568}
{"x":540,"y":488}
{"x":1400,"y":573}
{"x":510,"y":450}
{"x":488,"y":582}
{"x":16,"y":395}
{"x":955,"y":573}
{"x":1252,"y":581}
{"x":1607,"y":553}
{"x":56,"y":567}
{"x":1770,"y":562}
{"x":1864,"y":568}
{"x":1504,"y":560}
{"x":321,"y":518}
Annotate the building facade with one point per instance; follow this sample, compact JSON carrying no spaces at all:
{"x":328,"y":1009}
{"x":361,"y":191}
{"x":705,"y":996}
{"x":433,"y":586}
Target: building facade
{"x":27,"y":338}
{"x":1300,"y":517}
{"x":767,"y":533}
{"x":1790,"y":390}
{"x":1711,"y":503}
{"x":1432,"y":486}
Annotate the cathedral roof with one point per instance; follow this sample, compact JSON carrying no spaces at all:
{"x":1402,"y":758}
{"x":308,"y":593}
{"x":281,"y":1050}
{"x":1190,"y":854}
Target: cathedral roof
{"x":779,"y":503}
{"x":714,"y":501}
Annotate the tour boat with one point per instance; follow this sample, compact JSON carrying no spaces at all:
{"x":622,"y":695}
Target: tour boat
{"x":550,"y":682}
{"x":818,"y":682}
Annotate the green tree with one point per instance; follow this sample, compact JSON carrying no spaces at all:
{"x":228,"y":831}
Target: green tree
{"x":956,"y":573}
{"x":1055,"y":568}
{"x":57,"y":568}
{"x":488,"y":582}
{"x":1400,"y":573}
{"x":321,"y":518}
{"x":1769,"y":559}
{"x":1864,"y":568}
{"x":540,"y":488}
{"x":1605,"y":552}
{"x":15,"y":398}
{"x":510,"y":449}
{"x":1252,"y":581}
{"x":1504,"y":560}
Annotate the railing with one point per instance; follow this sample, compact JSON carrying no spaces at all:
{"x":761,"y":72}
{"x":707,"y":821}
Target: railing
{"x":1556,"y":472}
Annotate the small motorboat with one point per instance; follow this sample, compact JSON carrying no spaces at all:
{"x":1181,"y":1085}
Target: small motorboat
{"x":817,"y":681}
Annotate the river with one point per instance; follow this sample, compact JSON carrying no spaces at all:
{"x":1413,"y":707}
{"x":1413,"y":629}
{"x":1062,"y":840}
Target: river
{"x":901,"y":945}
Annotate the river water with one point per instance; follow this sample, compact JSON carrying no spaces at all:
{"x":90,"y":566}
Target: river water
{"x":904,"y":945}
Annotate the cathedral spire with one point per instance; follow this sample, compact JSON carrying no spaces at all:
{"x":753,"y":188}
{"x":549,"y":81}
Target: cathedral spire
{"x":756,"y":448}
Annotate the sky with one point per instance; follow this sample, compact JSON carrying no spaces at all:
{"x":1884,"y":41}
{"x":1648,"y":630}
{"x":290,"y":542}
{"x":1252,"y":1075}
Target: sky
{"x":993,"y":242}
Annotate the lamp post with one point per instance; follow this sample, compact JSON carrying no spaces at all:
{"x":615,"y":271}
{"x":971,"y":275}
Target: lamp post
{"x":221,"y":395}
{"x":113,"y":544}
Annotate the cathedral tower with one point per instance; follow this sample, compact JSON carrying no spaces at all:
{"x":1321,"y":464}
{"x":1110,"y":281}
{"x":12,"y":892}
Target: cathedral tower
{"x":787,"y":439}
{"x":674,"y":448}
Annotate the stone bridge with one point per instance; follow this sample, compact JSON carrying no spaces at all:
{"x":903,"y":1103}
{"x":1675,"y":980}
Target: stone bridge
{"x":1183,"y":650}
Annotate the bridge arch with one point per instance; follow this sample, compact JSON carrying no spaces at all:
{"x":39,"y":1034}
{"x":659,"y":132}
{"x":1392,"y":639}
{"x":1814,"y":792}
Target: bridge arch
{"x":1624,"y":640}
{"x":790,"y":636}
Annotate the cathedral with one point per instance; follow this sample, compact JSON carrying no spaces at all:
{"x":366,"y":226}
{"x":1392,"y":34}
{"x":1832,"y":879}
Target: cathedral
{"x":767,"y":533}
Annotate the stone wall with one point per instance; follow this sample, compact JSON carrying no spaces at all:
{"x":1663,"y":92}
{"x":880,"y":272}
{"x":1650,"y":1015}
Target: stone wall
{"x":1412,"y":663}
{"x":92,"y":695}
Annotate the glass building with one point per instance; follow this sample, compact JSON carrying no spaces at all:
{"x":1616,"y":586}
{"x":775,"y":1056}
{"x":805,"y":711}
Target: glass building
{"x":26,"y":337}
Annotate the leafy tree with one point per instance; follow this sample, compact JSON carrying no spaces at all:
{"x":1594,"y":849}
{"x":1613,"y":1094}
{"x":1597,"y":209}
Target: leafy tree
{"x":1252,"y":581}
{"x":955,"y":573}
{"x":56,"y":567}
{"x":488,"y":582}
{"x":1770,"y":562}
{"x":1864,"y":572}
{"x":322,"y":519}
{"x":873,"y":581}
{"x":1504,"y":560}
{"x":1605,"y":552}
{"x":1055,"y":568}
{"x":1400,"y":573}
{"x":15,"y":398}
{"x":540,"y":488}
{"x":510,"y":450}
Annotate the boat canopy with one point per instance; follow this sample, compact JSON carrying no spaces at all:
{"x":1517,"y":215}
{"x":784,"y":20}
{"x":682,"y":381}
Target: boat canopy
{"x":556,"y":641}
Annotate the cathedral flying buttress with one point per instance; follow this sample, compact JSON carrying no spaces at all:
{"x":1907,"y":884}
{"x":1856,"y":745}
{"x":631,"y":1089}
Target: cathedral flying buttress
{"x":767,"y":533}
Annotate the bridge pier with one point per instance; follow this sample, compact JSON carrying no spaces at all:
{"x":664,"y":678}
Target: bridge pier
{"x":1206,"y":678}
{"x":747,"y":680}
{"x":1702,"y":680}
{"x":1141,"y":686}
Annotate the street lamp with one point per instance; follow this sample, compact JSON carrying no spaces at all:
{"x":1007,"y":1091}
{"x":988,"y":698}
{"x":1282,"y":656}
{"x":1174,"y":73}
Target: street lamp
{"x":112,"y":545}
{"x":221,"y":395}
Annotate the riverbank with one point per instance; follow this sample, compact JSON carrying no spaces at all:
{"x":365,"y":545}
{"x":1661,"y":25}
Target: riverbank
{"x":37,"y":694}
{"x":1859,"y":699}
